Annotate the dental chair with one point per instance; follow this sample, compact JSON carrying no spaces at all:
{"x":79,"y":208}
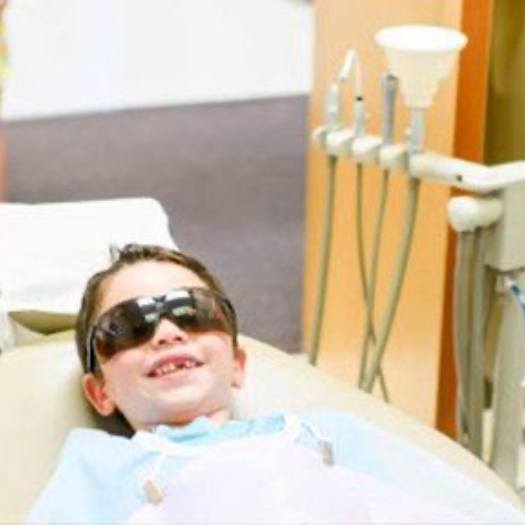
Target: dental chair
{"x":41,"y":397}
{"x":42,"y":400}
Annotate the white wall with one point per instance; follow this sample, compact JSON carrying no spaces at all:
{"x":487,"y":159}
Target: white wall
{"x":71,"y":56}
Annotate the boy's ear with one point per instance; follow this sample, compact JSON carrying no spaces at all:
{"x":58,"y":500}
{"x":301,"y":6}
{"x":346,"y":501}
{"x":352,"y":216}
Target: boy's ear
{"x":239,"y":364}
{"x":95,"y":392}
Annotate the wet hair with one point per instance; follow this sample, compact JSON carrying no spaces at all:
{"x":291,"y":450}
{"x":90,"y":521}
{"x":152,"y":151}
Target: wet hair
{"x":127,"y":256}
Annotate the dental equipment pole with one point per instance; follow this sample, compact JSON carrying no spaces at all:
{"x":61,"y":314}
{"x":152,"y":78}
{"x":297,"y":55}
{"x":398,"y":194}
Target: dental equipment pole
{"x":419,"y":56}
{"x":335,"y":140}
{"x":389,"y":90}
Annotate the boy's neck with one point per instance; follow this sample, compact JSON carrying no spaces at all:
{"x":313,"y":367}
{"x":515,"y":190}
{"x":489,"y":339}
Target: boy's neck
{"x":218,"y":418}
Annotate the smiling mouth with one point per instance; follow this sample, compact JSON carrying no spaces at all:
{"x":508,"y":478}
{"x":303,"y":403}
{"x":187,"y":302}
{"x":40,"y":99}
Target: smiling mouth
{"x":175,"y":366}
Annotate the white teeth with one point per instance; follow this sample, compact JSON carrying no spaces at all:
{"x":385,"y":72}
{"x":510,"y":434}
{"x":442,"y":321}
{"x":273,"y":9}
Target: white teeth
{"x":172,"y":367}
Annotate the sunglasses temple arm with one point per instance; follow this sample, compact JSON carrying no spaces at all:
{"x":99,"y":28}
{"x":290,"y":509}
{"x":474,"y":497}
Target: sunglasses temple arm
{"x":90,"y":351}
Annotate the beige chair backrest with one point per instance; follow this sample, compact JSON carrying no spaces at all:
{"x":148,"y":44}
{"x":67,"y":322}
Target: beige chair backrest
{"x":41,"y":400}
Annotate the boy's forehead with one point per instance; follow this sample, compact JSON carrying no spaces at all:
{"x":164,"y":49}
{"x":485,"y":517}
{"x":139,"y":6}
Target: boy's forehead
{"x":146,"y":278}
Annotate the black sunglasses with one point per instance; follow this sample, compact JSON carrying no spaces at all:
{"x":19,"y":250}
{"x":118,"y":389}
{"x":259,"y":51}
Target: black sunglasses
{"x":134,"y":322}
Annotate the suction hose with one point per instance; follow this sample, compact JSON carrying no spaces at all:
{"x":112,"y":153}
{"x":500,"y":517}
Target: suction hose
{"x":397,"y":283}
{"x":476,"y":386}
{"x":326,"y":243}
{"x":461,"y":326}
{"x":368,"y":285}
{"x":470,"y":217}
{"x":389,"y":84}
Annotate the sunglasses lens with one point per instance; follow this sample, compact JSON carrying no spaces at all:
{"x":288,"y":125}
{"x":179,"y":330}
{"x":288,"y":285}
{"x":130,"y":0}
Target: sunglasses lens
{"x":200,"y":311}
{"x":124,"y":326}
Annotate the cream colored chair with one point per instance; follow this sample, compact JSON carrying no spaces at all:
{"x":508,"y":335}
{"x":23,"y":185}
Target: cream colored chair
{"x":42,"y":400}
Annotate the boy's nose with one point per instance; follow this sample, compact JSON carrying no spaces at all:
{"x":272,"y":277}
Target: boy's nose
{"x":168,"y":333}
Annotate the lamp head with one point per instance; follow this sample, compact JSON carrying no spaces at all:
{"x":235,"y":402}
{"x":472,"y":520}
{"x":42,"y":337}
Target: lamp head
{"x":420,"y":56}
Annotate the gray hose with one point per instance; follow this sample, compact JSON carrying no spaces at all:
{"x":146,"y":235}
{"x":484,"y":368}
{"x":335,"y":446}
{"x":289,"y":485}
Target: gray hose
{"x":389,"y":85}
{"x":397,"y":283}
{"x":476,"y":385}
{"x":359,"y":231}
{"x":461,"y":327}
{"x":326,"y":242}
{"x":369,"y":286}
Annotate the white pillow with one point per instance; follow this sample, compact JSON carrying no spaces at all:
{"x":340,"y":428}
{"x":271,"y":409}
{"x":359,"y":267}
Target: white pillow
{"x":48,"y":251}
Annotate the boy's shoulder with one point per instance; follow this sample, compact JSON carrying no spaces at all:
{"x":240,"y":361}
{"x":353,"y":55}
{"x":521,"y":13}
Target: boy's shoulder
{"x":90,"y":461}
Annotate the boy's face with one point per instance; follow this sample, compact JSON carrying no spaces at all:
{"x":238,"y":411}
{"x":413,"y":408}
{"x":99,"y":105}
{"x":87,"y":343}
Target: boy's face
{"x":142,"y":381}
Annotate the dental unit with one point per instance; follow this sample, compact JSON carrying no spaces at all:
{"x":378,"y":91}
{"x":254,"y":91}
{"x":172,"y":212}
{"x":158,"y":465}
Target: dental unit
{"x":490,"y":228}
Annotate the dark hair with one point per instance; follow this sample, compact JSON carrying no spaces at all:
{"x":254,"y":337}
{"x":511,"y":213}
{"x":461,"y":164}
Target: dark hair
{"x":127,"y":256}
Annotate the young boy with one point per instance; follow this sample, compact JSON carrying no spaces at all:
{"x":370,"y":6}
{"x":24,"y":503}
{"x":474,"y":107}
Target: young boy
{"x":177,"y":365}
{"x":157,"y":339}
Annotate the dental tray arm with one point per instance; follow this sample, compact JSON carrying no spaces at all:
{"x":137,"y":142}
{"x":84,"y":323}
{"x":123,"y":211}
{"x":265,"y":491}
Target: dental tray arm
{"x":464,"y":174}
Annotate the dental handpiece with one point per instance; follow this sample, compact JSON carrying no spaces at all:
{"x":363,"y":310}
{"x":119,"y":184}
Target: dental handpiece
{"x":389,"y":89}
{"x":333,"y":107}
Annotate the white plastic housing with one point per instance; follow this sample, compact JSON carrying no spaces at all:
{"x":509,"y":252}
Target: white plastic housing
{"x":466,"y":175}
{"x":366,"y":149}
{"x":467,"y":213}
{"x":394,"y":156}
{"x":420,"y":56}
{"x":455,"y":172}
{"x":339,"y":142}
{"x":505,"y":246}
{"x":319,"y":136}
